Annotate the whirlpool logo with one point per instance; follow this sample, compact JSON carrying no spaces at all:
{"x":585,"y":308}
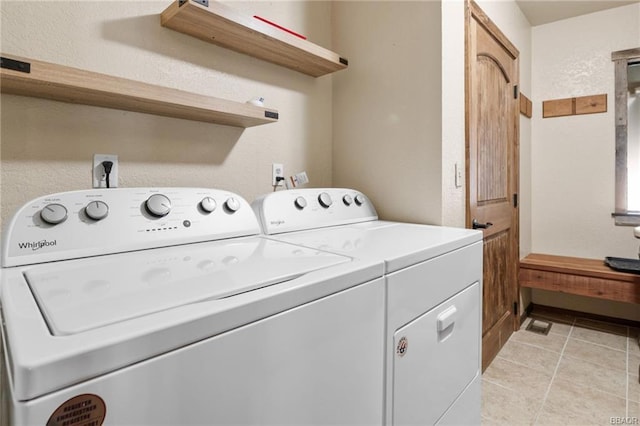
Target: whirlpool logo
{"x":277,"y":222}
{"x":37,"y":245}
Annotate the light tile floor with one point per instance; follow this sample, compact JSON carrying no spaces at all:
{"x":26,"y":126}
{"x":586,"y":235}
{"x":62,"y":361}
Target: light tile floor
{"x":584,"y":372}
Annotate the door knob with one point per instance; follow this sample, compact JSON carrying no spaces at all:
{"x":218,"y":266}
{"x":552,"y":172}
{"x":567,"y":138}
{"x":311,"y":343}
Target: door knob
{"x":477,"y":225}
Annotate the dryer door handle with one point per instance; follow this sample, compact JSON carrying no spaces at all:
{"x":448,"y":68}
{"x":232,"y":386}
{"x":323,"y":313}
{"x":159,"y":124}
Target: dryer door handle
{"x":446,"y":318}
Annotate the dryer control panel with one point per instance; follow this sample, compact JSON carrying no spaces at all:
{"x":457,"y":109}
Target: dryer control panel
{"x":310,"y":208}
{"x":77,"y":224}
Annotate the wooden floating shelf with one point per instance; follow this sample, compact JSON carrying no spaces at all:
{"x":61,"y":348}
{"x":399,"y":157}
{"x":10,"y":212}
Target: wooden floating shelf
{"x":66,"y":84}
{"x":221,"y":25}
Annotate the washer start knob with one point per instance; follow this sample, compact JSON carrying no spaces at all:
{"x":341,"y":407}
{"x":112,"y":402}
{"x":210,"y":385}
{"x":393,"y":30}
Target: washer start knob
{"x":359,"y":199}
{"x":300,"y":203}
{"x":232,"y":204}
{"x":158,"y":205}
{"x":325,"y":200}
{"x":208,"y":204}
{"x":97,"y":210}
{"x":53,"y":213}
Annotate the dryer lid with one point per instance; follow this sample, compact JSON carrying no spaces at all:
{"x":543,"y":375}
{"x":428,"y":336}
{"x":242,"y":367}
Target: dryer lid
{"x":399,"y":244}
{"x":81,"y":295}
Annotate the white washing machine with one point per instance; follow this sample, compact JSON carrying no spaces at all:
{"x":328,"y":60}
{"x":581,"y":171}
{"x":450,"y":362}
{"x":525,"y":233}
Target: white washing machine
{"x":433,"y":279}
{"x":165,"y":306}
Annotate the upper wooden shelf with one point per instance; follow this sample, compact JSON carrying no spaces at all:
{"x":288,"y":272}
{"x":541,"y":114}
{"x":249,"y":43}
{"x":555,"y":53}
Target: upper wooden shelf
{"x":28,"y":77}
{"x":221,"y":25}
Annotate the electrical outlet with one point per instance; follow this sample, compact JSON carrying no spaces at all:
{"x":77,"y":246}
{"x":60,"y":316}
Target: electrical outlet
{"x":277,"y":171}
{"x":98,"y":174}
{"x":458,"y":176}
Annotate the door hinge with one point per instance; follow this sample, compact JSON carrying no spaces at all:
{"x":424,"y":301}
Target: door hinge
{"x":515,"y":308}
{"x":515,"y":200}
{"x":515,"y":91}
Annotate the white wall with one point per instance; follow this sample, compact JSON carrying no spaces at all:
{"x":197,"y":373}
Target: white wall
{"x":387,"y":108}
{"x":48,"y":146}
{"x":392,"y":113}
{"x":574,"y":157}
{"x":453,"y":112}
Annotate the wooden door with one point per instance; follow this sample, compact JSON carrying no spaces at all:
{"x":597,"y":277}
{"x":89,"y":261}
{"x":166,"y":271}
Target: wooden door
{"x":492,"y":171}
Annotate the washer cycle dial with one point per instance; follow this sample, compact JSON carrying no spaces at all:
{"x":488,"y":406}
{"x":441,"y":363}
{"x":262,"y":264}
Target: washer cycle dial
{"x":158,"y":205}
{"x":53,"y":213}
{"x":347,"y":200}
{"x":97,"y":210}
{"x":359,"y":199}
{"x":325,"y":200}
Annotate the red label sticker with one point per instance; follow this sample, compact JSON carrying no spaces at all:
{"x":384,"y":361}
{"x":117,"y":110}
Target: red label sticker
{"x":82,"y":410}
{"x":402,"y":347}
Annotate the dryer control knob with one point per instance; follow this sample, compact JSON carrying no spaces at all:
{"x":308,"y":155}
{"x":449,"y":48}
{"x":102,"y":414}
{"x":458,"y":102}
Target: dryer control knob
{"x":54,"y":213}
{"x":208,"y":204}
{"x":359,"y":199}
{"x":232,"y":204}
{"x":97,"y":210}
{"x":325,"y":200}
{"x":347,"y":200}
{"x":300,"y":202}
{"x":158,"y":205}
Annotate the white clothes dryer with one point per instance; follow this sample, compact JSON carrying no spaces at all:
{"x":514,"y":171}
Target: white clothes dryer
{"x":166,"y":307}
{"x":433,"y":278}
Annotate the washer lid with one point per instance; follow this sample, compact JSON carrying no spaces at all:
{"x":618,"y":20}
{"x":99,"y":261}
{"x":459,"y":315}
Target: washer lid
{"x":81,"y":295}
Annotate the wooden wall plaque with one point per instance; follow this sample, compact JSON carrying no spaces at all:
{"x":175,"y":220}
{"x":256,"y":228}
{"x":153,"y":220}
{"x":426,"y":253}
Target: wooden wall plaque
{"x":574,"y":106}
{"x":526,"y":107}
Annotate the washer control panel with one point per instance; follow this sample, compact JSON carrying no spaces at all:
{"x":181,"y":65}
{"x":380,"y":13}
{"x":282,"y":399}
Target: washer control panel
{"x":76,"y":224}
{"x":309,"y":208}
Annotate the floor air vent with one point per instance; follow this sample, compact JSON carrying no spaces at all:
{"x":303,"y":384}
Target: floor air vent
{"x":539,"y":326}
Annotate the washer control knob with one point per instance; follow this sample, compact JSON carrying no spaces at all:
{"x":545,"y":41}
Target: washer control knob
{"x":347,"y":200}
{"x":232,"y":204}
{"x":208,"y":204}
{"x":54,"y":213}
{"x":300,"y":202}
{"x":158,"y":205}
{"x":97,"y":210}
{"x":359,"y":199}
{"x":325,"y":200}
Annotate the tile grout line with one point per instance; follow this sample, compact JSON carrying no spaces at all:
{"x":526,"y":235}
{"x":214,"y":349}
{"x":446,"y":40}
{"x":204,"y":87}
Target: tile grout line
{"x":555,"y":371}
{"x":524,"y":365}
{"x":498,"y":384}
{"x":628,"y":408}
{"x":600,"y":344}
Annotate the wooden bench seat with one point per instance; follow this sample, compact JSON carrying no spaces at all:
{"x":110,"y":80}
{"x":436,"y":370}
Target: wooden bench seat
{"x":574,"y":275}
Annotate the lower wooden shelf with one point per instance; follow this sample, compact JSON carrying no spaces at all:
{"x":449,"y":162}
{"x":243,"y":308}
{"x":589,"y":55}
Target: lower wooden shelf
{"x":66,"y":84}
{"x":584,"y":277}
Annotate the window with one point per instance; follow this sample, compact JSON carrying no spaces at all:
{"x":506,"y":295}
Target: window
{"x":627,"y":119}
